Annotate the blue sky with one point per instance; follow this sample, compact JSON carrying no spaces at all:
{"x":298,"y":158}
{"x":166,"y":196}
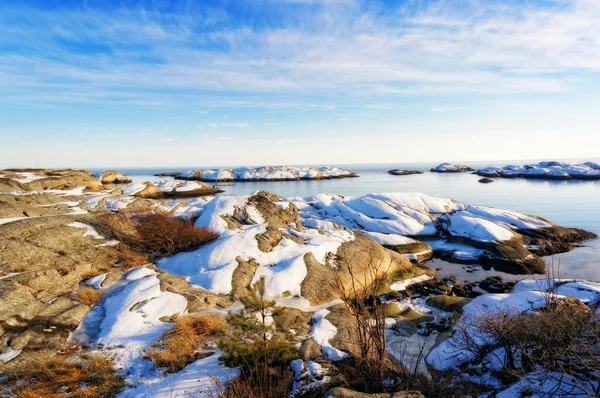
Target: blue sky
{"x":193,"y":83}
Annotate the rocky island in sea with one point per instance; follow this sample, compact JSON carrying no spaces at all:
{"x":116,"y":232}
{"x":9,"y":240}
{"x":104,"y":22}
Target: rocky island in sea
{"x":451,"y":168}
{"x":552,"y":170}
{"x":268,"y":173}
{"x":398,"y":172}
{"x":80,"y":266}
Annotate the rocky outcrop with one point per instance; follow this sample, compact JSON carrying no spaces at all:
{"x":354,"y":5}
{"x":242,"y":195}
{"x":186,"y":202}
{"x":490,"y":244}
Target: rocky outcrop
{"x":451,"y":168}
{"x":45,"y":259}
{"x":114,"y":177}
{"x":359,"y":257}
{"x":553,"y":170}
{"x":506,"y":240}
{"x":183,"y":189}
{"x":398,"y":172}
{"x":279,"y":173}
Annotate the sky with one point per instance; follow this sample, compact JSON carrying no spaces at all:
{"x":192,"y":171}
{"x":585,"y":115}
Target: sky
{"x":266,"y":82}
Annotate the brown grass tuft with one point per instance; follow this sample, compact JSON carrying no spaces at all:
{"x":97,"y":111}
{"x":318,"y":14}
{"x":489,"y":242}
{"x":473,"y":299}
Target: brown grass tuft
{"x":61,"y":377}
{"x":129,"y":258}
{"x":178,"y":345}
{"x":88,"y":295}
{"x":163,"y":235}
{"x":91,"y":274}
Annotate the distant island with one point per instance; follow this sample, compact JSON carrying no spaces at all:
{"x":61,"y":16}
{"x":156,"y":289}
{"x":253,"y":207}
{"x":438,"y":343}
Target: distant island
{"x":451,"y":168}
{"x":274,"y":173}
{"x":553,"y":170}
{"x":397,"y":172}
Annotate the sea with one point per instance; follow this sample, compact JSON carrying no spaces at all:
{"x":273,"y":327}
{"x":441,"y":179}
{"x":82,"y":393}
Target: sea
{"x":566,"y":203}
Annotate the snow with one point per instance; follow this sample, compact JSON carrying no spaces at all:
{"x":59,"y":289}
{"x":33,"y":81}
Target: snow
{"x":11,"y":219}
{"x":402,"y":285}
{"x":89,"y":230}
{"x":211,"y":267}
{"x":448,"y":354}
{"x":546,"y":170}
{"x":302,"y":304}
{"x":508,"y":218}
{"x":212,"y":215}
{"x":323,"y":331}
{"x":179,"y":186}
{"x":132,"y":316}
{"x":134,"y":188}
{"x":9,"y":355}
{"x":27,"y":177}
{"x":390,"y":240}
{"x":96,"y":281}
{"x":77,"y":191}
{"x":198,"y":379}
{"x":467,"y":225}
{"x":548,"y":384}
{"x":448,"y":167}
{"x":93,"y":202}
{"x":586,"y":292}
{"x":266,"y":173}
{"x":528,"y":285}
{"x":114,"y":204}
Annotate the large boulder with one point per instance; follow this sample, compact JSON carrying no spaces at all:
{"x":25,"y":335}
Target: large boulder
{"x":114,"y":177}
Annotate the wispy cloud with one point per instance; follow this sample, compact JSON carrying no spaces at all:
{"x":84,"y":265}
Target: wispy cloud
{"x":223,"y":125}
{"x":337,"y":47}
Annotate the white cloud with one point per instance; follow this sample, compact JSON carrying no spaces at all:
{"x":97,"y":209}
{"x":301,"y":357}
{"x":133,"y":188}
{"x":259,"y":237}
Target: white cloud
{"x":223,"y":125}
{"x":480,"y":47}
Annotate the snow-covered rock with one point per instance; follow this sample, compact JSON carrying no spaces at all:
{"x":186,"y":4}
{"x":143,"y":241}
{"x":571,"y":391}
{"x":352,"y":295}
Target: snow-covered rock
{"x":276,"y":173}
{"x":553,"y":170}
{"x":451,"y":168}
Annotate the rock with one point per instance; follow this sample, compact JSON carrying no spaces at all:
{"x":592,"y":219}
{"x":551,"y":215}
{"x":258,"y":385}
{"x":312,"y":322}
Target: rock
{"x":43,"y":179}
{"x":10,"y":185}
{"x":114,"y":177}
{"x":71,"y":317}
{"x":415,"y":251}
{"x":448,"y":303}
{"x":279,"y":173}
{"x":362,"y":255}
{"x":486,"y":180}
{"x":451,"y":168}
{"x":397,"y":172}
{"x":494,"y":284}
{"x":310,"y":350}
{"x":186,"y":189}
{"x":553,"y":170}
{"x":340,"y":392}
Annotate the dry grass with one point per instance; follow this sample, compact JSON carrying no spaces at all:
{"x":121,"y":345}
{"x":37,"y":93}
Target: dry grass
{"x":263,"y":382}
{"x":61,"y":377}
{"x":88,"y":295}
{"x":178,"y":345}
{"x":163,"y":235}
{"x":91,"y":274}
{"x":129,"y":258}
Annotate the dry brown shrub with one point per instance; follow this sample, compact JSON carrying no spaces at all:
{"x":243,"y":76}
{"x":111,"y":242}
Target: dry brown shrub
{"x":261,"y":382}
{"x":88,"y":295}
{"x":61,"y":376}
{"x":178,"y":345}
{"x":163,"y":235}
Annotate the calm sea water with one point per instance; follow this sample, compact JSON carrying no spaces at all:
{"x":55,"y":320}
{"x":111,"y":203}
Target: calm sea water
{"x":566,"y":203}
